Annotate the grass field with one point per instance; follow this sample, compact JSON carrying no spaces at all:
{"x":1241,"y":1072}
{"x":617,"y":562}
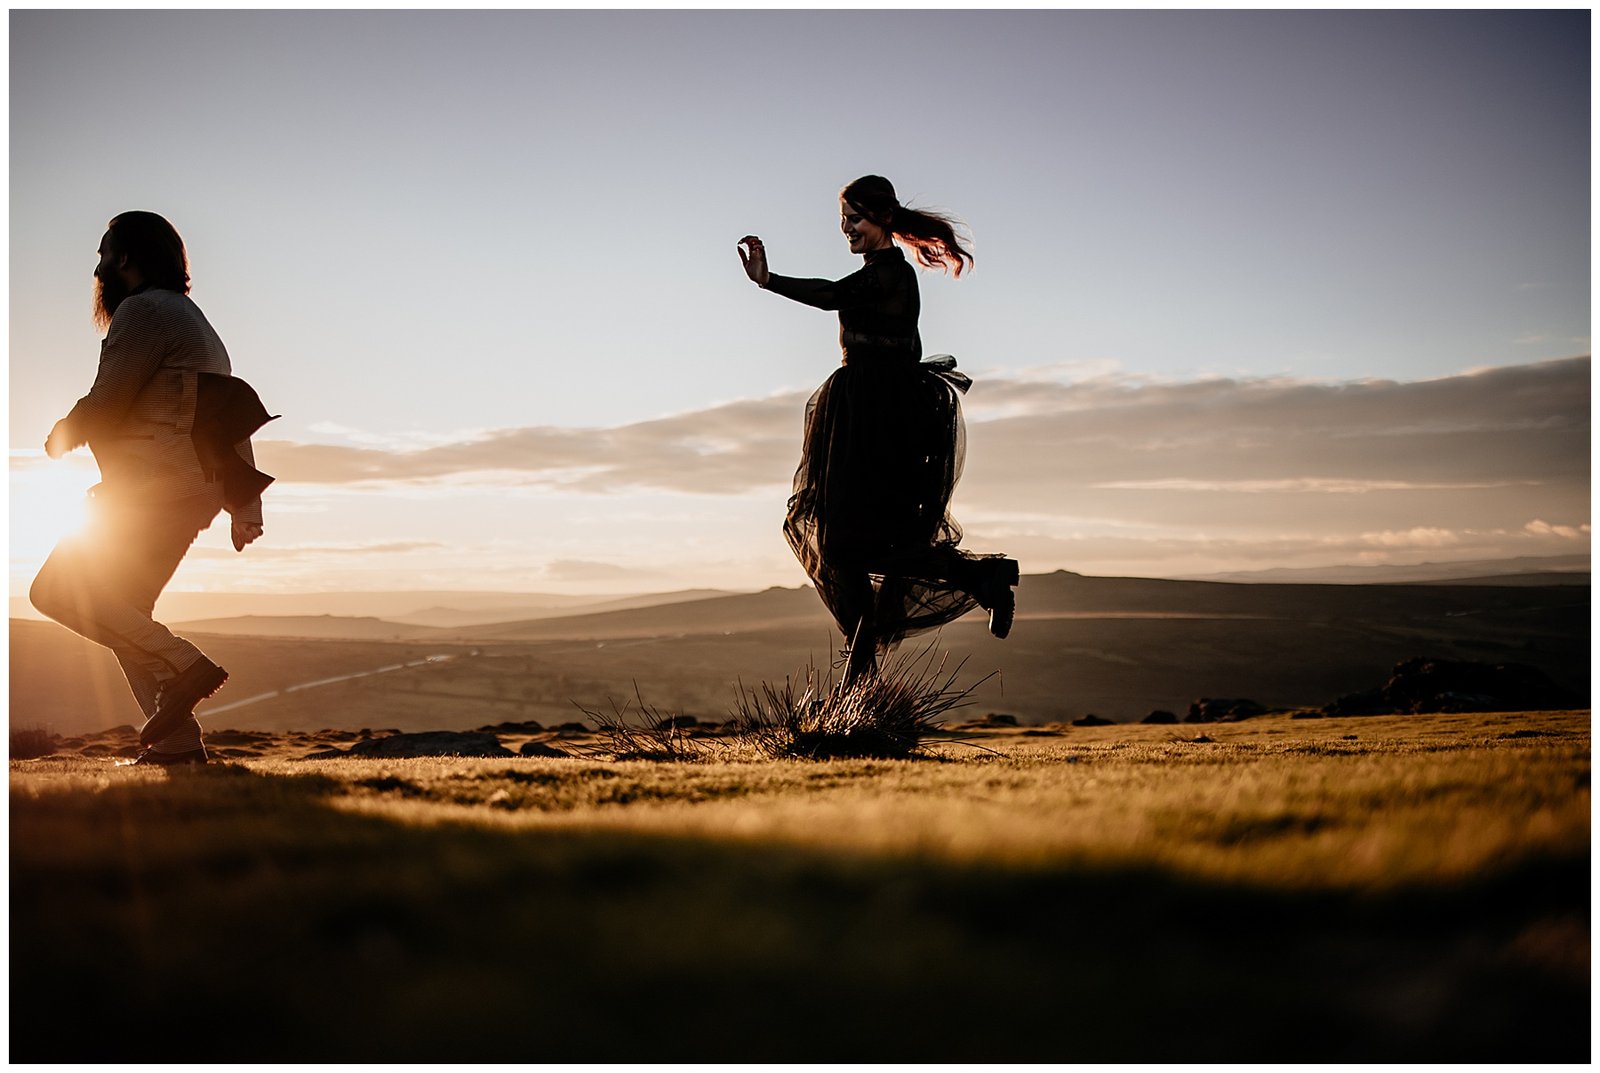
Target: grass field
{"x":1400,"y":888}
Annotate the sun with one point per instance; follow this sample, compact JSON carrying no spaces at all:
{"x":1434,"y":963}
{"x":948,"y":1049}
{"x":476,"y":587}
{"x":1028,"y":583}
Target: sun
{"x":47,"y":503}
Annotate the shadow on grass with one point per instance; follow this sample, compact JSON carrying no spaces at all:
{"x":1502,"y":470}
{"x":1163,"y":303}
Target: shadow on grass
{"x":230,"y":916}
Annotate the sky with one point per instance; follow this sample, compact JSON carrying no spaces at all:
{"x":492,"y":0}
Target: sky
{"x":1254,"y":289}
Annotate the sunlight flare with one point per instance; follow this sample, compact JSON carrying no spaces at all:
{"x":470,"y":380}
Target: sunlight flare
{"x":48,"y":502}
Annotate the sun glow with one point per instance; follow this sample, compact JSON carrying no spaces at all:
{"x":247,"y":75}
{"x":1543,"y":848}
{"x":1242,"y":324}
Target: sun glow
{"x":47,"y":504}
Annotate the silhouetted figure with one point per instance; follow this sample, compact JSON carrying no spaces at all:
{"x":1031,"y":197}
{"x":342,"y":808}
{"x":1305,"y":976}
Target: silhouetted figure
{"x":869,"y":518}
{"x":170,"y":429}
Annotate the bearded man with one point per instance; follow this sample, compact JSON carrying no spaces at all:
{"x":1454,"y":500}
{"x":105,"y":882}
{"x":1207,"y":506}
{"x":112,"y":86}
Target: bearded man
{"x":170,"y":430}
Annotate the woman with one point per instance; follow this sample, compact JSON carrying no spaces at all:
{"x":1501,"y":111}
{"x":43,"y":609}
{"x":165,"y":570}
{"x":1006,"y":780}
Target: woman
{"x":884,"y":441}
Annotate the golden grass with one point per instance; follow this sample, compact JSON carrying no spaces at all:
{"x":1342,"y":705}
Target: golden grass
{"x":1304,"y":804}
{"x":1395,"y":888}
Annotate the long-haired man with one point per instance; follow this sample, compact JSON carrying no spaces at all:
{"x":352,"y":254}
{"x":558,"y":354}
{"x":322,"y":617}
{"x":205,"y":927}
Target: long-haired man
{"x":153,"y":420}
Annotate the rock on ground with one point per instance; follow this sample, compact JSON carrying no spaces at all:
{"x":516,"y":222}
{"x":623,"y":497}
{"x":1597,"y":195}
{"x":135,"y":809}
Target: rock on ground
{"x":427,"y":743}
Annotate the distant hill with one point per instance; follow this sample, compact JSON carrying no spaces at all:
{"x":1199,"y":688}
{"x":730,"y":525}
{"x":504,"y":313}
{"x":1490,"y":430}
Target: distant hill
{"x":1061,"y":595}
{"x":1115,"y":647}
{"x":1482,"y":571}
{"x":316,"y":627}
{"x":440,"y":623}
{"x":717,"y":615}
{"x":1572,"y":578}
{"x":446,"y":617}
{"x":444,"y":608}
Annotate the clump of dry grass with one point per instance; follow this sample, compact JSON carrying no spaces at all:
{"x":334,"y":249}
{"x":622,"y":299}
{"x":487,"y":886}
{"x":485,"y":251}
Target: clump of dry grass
{"x":645,"y":733}
{"x":28,"y":743}
{"x":888,"y":715}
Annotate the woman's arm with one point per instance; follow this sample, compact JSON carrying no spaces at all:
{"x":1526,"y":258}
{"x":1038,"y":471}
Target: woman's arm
{"x":858,"y":288}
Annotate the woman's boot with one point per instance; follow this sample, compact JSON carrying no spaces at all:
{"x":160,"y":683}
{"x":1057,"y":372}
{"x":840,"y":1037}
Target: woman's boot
{"x":992,"y":589}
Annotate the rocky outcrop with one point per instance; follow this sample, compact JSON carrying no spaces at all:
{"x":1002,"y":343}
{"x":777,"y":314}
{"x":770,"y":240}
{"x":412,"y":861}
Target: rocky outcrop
{"x":529,"y":726}
{"x":539,"y":748}
{"x":1160,"y":717}
{"x":427,"y":743}
{"x":676,"y":722}
{"x":1222,"y":710}
{"x":1092,"y":720}
{"x":1424,"y":684}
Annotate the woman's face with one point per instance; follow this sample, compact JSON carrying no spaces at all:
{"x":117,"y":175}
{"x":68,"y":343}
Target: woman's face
{"x":864,"y":235}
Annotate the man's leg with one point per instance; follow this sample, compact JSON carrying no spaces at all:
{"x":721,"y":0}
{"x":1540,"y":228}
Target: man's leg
{"x":142,"y":682}
{"x":104,"y":583}
{"x":90,"y":589}
{"x":186,"y":738}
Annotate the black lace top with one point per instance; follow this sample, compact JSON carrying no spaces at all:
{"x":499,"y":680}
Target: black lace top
{"x":878,"y":306}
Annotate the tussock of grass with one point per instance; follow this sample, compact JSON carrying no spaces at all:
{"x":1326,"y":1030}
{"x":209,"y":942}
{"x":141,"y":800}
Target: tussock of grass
{"x":889,"y":715}
{"x":30,"y":742}
{"x":644,"y":732}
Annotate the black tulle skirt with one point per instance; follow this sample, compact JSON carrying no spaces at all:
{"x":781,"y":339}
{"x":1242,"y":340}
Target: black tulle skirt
{"x":870,"y":515}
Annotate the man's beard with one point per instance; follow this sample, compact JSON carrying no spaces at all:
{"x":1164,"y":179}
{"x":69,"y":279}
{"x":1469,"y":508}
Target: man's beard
{"x":108,"y":295}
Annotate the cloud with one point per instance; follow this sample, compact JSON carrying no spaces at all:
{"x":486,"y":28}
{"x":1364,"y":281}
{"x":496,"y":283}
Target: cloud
{"x":1331,"y":486}
{"x":34,"y":460}
{"x":1490,"y":427}
{"x":310,"y":551}
{"x":387,"y":440}
{"x":585,"y":570}
{"x":1520,"y":426}
{"x":1106,"y":468}
{"x":1539,"y":527}
{"x":1181,"y":552}
{"x":1084,"y":469}
{"x":730,"y":448}
{"x":1420,"y":537}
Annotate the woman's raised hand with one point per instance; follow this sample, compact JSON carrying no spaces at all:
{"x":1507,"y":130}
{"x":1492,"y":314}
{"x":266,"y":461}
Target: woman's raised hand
{"x":755,"y":262}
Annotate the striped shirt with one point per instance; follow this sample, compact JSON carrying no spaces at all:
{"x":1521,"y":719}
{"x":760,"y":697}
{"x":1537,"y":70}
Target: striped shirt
{"x":138,"y":415}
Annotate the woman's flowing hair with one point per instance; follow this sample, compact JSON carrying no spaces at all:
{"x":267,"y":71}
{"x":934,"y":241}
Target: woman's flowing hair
{"x":931,"y":236}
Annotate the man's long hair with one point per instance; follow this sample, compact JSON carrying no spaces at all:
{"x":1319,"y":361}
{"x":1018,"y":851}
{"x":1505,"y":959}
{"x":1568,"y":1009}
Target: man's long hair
{"x":154,"y":247}
{"x":931,"y":236}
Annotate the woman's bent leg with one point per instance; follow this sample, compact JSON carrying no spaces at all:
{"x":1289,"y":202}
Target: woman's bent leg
{"x":862,"y":661}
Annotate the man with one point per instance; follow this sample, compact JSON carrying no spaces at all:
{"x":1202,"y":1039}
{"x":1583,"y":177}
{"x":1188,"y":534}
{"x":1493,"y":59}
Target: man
{"x":151,"y":419}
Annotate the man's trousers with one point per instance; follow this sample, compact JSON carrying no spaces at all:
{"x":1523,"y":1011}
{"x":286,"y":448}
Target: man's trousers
{"x":103,"y":583}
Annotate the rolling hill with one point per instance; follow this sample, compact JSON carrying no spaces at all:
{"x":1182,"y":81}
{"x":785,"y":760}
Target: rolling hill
{"x":1115,"y":647}
{"x":444,"y":607}
{"x":309,"y":627}
{"x":1568,"y":569}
